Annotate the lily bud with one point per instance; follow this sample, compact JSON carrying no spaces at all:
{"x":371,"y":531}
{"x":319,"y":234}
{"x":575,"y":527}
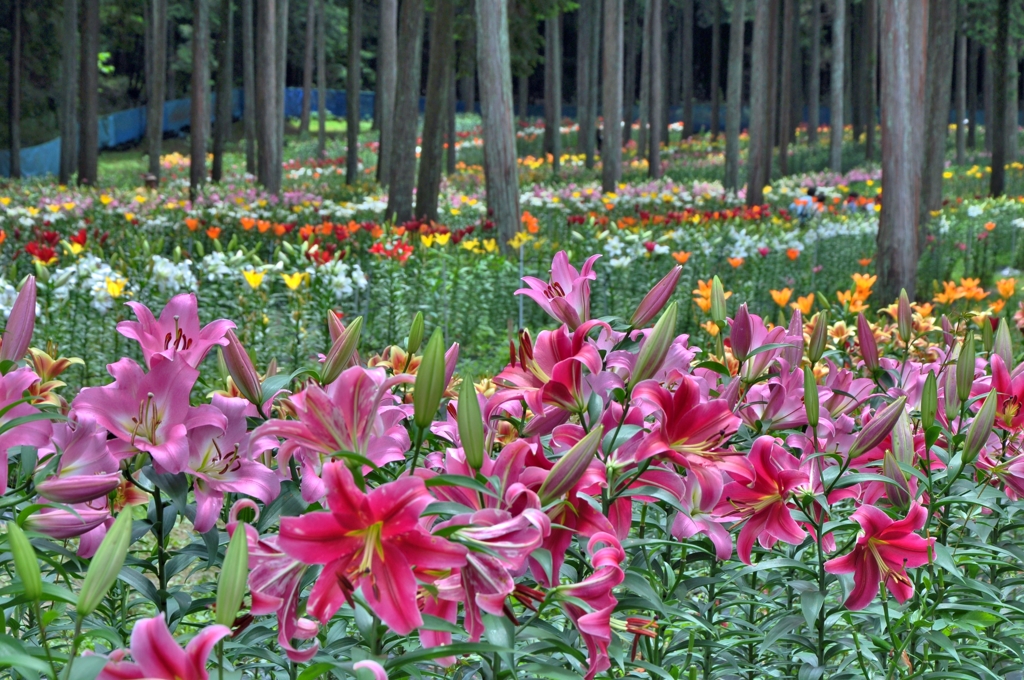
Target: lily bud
{"x":965,"y":368}
{"x":949,"y":391}
{"x":903,"y":440}
{"x":947,"y":331}
{"x":20,"y":324}
{"x":868,"y":346}
{"x":981,"y":428}
{"x":341,"y":352}
{"x":415,"y":334}
{"x":234,"y":574}
{"x":656,"y":299}
{"x":718,"y":312}
{"x":905,"y":317}
{"x":811,"y":397}
{"x":471,"y":425}
{"x":334,"y":325}
{"x":929,"y":401}
{"x":106,"y":564}
{"x":241,"y":370}
{"x":655,"y":347}
{"x":570,"y":467}
{"x":986,"y":335}
{"x":740,"y":334}
{"x":795,"y":352}
{"x":816,"y":347}
{"x":26,"y":565}
{"x":1003,"y":342}
{"x":878,"y":429}
{"x":898,"y":490}
{"x":430,"y":382}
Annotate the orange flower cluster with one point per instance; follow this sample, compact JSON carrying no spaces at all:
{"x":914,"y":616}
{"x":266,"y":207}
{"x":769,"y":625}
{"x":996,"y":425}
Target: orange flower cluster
{"x":969,"y":289}
{"x":855,"y":299}
{"x":702,"y":296}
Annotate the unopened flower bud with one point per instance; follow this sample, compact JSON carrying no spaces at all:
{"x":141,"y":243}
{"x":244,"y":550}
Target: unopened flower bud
{"x":415,"y":334}
{"x":241,"y":370}
{"x":905,"y":317}
{"x":741,"y":332}
{"x":981,"y":427}
{"x":1002,"y":344}
{"x":903,"y":440}
{"x":26,"y":564}
{"x":656,"y":299}
{"x":570,"y":468}
{"x":965,"y":368}
{"x":878,"y":428}
{"x":898,"y":490}
{"x":471,"y":425}
{"x":234,"y":574}
{"x":868,"y":346}
{"x":811,"y":397}
{"x":929,"y":401}
{"x":344,"y":347}
{"x":947,"y":331}
{"x":718,"y":310}
{"x":816,"y":347}
{"x":655,"y":347}
{"x":106,"y":564}
{"x":430,"y":381}
{"x":20,"y":323}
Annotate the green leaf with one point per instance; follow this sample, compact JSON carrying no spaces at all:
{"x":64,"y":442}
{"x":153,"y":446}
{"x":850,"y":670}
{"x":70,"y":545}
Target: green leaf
{"x":461,"y":481}
{"x":457,"y":649}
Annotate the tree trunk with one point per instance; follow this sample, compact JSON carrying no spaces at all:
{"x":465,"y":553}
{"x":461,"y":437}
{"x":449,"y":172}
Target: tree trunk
{"x":836,"y":85}
{"x":282,"y":75}
{"x":407,"y":109}
{"x":88,"y":153}
{"x":814,"y":77}
{"x":689,"y":126}
{"x":435,"y":117}
{"x":789,"y":43}
{"x":848,"y":66}
{"x":734,"y":96}
{"x":716,"y":66}
{"x":973,"y":52}
{"x":200,"y":93}
{"x":674,"y":59}
{"x":759,"y":132}
{"x":1011,"y":102}
{"x":855,"y":47}
{"x":988,"y":94}
{"x":643,"y":138}
{"x":387,"y":73}
{"x":553,"y":90}
{"x":249,"y":86}
{"x":69,"y":92}
{"x":961,"y":96}
{"x":657,"y":91}
{"x":14,"y":93}
{"x":938,"y":82}
{"x":321,"y":79}
{"x":307,"y":68}
{"x":467,"y":70}
{"x":1000,"y":89}
{"x":157,"y":76}
{"x":355,"y":79}
{"x":225,"y":79}
{"x":871,"y":102}
{"x":451,"y":138}
{"x":773,"y":86}
{"x":494,"y":65}
{"x":586,"y":62}
{"x":268,"y":165}
{"x":630,"y":34}
{"x":611,"y":96}
{"x":904,"y":26}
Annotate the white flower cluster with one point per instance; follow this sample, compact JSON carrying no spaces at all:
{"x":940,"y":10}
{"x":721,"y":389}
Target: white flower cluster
{"x":215,"y":267}
{"x":342,"y":278}
{"x":89,"y":273}
{"x":171,"y":278}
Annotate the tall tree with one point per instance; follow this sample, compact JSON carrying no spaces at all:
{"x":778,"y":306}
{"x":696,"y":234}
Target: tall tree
{"x":200,"y":94}
{"x":553,"y":89}
{"x":871,"y":81}
{"x":716,"y":65}
{"x":321,"y":79}
{"x":1012,"y":104}
{"x":657,"y":90}
{"x":495,"y":68}
{"x":814,"y":76}
{"x":904,"y":31}
{"x":89,"y":137}
{"x":156,"y":78}
{"x":439,"y":102}
{"x":307,"y":67}
{"x":14,"y":91}
{"x":988,"y":94}
{"x":268,"y":163}
{"x":282,"y":73}
{"x":611,"y":96}
{"x":773,"y":85}
{"x":689,"y":127}
{"x":939,"y":69}
{"x":407,"y":100}
{"x":225,"y":82}
{"x":355,"y":73}
{"x":760,"y":134}
{"x":450,"y":136}
{"x":632,"y":37}
{"x":973,"y":54}
{"x":586,"y":65}
{"x":790,"y":38}
{"x":836,"y":86}
{"x":249,"y":86}
{"x":1000,"y":87}
{"x":734,"y":95}
{"x":387,"y":76}
{"x":69,"y":92}
{"x":643,"y":137}
{"x":467,"y":69}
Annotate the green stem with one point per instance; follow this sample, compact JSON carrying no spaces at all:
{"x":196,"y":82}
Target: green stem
{"x":74,"y":647}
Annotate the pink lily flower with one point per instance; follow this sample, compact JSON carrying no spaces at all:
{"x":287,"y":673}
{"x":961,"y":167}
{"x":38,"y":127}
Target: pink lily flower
{"x":702,"y":491}
{"x":145,"y":411}
{"x":157,"y":656}
{"x":370,"y":540}
{"x":843,"y":393}
{"x":1010,"y":389}
{"x":86,"y":471}
{"x":761,"y":498}
{"x":35,"y":433}
{"x":566,"y":296}
{"x":178,"y":333}
{"x":219,"y":461}
{"x":884,"y":551}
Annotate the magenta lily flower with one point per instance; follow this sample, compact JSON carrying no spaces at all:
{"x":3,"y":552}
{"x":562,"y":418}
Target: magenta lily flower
{"x":20,"y":323}
{"x":373,"y":541}
{"x":157,"y":656}
{"x":219,"y":461}
{"x":145,"y":411}
{"x":35,"y":433}
{"x":761,"y":498}
{"x":702,"y":491}
{"x":566,"y":296}
{"x":86,"y":471}
{"x":177,"y":333}
{"x":884,"y":551}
